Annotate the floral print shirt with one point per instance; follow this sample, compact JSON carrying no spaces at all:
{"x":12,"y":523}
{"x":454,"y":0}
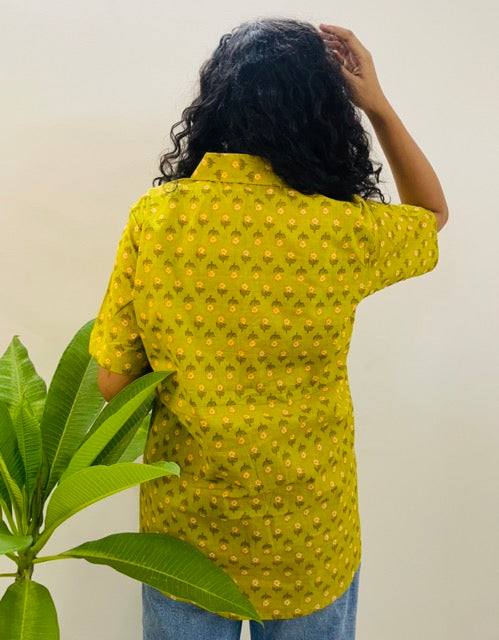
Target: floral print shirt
{"x":247,"y":290}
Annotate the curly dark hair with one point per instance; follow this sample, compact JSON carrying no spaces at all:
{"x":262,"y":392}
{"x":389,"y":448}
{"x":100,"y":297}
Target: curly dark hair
{"x":272,"y":89}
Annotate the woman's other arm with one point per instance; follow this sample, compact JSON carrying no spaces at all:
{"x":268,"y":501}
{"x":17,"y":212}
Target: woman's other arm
{"x":110,"y":383}
{"x":417,"y":183}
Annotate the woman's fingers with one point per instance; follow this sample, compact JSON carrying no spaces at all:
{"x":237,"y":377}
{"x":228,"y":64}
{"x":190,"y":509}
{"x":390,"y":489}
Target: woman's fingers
{"x":335,"y":42}
{"x":341,"y":52}
{"x":357,"y":65}
{"x":346,"y":36}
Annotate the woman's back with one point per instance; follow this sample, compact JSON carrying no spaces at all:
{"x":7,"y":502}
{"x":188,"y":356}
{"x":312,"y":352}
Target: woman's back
{"x":247,"y":289}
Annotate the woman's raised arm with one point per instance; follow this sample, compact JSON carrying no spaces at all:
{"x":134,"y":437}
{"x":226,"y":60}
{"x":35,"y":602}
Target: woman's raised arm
{"x":417,"y":183}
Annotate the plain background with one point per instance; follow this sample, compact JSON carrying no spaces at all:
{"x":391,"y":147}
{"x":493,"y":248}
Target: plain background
{"x":90,"y":90}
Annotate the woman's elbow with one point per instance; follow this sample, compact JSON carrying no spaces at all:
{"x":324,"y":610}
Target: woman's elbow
{"x":106,"y":393}
{"x":110,"y":383}
{"x":441,"y":217}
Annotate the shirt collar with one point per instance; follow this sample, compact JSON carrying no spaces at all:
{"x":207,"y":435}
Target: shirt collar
{"x":236,"y":167}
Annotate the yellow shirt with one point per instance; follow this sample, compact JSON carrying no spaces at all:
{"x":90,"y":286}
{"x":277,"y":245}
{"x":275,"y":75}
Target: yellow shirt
{"x":247,"y":289}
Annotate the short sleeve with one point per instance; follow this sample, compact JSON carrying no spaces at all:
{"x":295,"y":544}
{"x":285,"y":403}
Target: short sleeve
{"x":401,"y":243}
{"x":115,"y":341}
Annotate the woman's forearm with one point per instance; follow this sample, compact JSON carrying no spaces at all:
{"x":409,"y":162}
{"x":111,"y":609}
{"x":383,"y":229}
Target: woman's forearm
{"x":417,"y":183}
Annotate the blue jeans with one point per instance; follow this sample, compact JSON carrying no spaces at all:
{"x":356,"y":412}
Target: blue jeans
{"x":167,"y":619}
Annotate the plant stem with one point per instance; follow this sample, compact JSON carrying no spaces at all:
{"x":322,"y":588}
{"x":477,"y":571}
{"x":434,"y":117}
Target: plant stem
{"x":25,"y":564}
{"x":19,"y":518}
{"x":8,"y":575}
{"x":24,"y":510}
{"x":41,"y":540}
{"x":24,"y":523}
{"x":46,"y":558}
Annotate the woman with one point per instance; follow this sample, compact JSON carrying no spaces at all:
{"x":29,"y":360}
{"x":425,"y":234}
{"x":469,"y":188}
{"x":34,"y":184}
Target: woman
{"x":241,"y":271}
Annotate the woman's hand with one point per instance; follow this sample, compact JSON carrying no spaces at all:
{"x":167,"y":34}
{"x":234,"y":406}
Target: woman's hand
{"x":357,"y":67}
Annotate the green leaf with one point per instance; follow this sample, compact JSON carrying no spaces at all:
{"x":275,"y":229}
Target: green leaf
{"x":10,"y":543}
{"x":29,"y":441}
{"x":73,"y":401}
{"x":116,"y":447}
{"x":5,"y":495}
{"x":37,"y":502}
{"x":5,"y":505}
{"x":170,"y":565}
{"x":15,"y":492}
{"x":9,"y":450}
{"x":135,"y":448}
{"x":114,"y":419}
{"x":89,"y":485}
{"x":18,"y":377}
{"x":27,"y":612}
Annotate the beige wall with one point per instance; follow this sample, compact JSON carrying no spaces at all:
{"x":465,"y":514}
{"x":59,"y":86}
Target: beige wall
{"x":89,"y":92}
